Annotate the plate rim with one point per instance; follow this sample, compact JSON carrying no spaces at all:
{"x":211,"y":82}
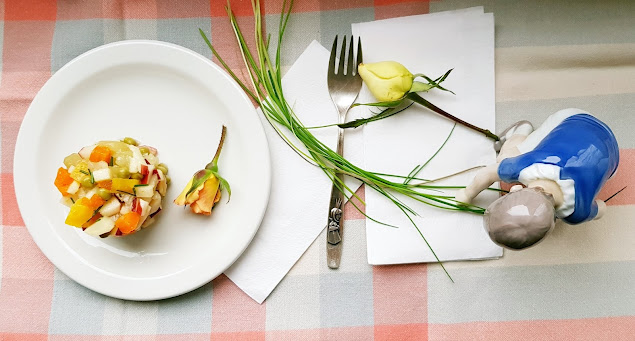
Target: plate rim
{"x":50,"y":251}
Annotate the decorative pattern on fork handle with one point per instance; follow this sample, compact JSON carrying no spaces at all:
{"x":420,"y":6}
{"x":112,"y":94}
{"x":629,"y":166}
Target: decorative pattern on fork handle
{"x":334,"y":235}
{"x":335,"y":216}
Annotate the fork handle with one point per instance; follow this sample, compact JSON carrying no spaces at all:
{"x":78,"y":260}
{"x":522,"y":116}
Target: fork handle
{"x":334,"y":225}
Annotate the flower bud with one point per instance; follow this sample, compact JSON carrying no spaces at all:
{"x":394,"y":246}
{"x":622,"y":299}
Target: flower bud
{"x":204,"y":189}
{"x":387,"y":81}
{"x":202,"y":198}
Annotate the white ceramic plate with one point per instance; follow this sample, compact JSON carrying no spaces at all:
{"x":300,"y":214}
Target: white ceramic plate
{"x":168,"y":97}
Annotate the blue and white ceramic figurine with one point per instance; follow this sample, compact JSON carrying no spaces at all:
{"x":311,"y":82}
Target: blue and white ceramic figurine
{"x":563,"y":164}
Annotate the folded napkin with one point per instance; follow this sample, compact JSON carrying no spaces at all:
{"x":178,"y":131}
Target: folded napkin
{"x":432,"y":44}
{"x":299,"y":201}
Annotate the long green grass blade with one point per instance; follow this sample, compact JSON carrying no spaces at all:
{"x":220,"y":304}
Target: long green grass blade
{"x":419,"y":168}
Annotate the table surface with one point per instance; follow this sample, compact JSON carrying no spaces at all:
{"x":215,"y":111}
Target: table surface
{"x":577,"y":284}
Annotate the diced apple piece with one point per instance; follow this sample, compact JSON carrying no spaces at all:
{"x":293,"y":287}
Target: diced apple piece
{"x":159,"y":174}
{"x":100,"y":227}
{"x":66,"y":201}
{"x":153,"y":180}
{"x":73,"y":188}
{"x":145,"y":211}
{"x":134,"y":166}
{"x":85,"y":152}
{"x":136,"y":161}
{"x":110,"y":208}
{"x":99,"y":165}
{"x":136,"y":206}
{"x":155,"y":203}
{"x":90,"y":193}
{"x":146,"y":171}
{"x":145,"y":207}
{"x":102,"y":174}
{"x":81,"y":193}
{"x":152,"y":159}
{"x":145,"y":192}
{"x":162,"y":187}
{"x":125,"y":209}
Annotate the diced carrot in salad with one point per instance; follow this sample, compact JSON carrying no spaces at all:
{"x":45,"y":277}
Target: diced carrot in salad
{"x":128,"y":222}
{"x":112,"y":183}
{"x":94,"y":202}
{"x":100,"y":153}
{"x":106,"y":184}
{"x":63,"y":180}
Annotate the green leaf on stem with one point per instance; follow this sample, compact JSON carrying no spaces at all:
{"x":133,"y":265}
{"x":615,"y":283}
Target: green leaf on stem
{"x":224,"y":185}
{"x":435,"y":83}
{"x":388,"y":104}
{"x":380,"y":116}
{"x":420,"y":87}
{"x":199,"y":178}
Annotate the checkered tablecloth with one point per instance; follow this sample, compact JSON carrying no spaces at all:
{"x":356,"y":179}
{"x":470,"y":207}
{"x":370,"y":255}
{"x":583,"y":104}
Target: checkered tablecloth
{"x":578,"y":284}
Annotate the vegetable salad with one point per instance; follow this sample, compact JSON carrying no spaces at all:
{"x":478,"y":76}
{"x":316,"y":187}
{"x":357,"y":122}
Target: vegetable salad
{"x":113,"y":188}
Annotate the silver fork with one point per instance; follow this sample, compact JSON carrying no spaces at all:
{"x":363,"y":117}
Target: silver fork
{"x":344,"y":85}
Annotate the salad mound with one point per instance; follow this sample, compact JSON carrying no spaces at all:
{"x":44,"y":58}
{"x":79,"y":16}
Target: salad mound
{"x":114,"y":188}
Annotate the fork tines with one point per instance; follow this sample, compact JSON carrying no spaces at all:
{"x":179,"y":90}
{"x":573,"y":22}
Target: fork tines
{"x":351,"y":67}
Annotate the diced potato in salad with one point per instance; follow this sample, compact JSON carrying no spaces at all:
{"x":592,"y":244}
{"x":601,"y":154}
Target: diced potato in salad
{"x":114,"y":188}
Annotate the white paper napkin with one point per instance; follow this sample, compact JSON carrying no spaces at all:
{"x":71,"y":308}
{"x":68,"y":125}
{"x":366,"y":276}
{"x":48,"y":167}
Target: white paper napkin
{"x":432,"y":44}
{"x":300,"y":192}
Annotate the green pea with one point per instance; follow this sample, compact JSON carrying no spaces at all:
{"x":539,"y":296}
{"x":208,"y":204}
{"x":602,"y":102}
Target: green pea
{"x":130,"y":140}
{"x":120,"y":172}
{"x":136,"y":176}
{"x":87,"y":183}
{"x":168,"y":179}
{"x":144,"y":150}
{"x":104,"y":193}
{"x":163,"y":168}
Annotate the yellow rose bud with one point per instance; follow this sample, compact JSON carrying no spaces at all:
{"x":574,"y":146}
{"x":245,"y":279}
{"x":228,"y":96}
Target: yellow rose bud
{"x":387,"y":81}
